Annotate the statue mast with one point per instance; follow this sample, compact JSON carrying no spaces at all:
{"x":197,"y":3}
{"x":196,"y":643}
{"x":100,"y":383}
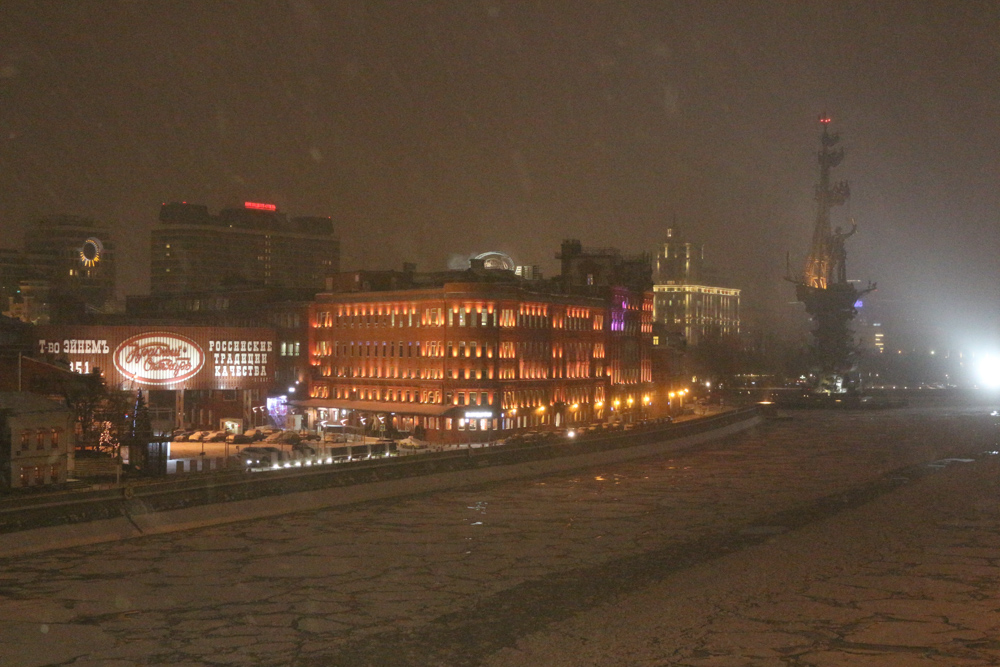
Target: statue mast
{"x":823,"y":287}
{"x":820,"y":265}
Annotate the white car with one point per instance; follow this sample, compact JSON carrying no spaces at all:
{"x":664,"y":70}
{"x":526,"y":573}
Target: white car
{"x":274,"y":436}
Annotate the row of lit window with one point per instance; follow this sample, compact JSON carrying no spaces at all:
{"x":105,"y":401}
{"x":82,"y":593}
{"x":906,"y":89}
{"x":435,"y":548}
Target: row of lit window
{"x":386,"y":315}
{"x":392,"y":350}
{"x":574,"y":397}
{"x":577,"y":351}
{"x":41,"y":437}
{"x":631,"y":375}
{"x":528,"y":370}
{"x":390,"y":395}
{"x":34,"y":475}
{"x":393,"y":372}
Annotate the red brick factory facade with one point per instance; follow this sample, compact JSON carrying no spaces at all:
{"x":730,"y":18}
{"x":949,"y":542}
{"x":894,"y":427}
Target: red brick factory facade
{"x":468,"y":361}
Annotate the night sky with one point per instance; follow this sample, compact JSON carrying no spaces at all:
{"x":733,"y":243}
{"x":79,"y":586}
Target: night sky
{"x":430,"y":130}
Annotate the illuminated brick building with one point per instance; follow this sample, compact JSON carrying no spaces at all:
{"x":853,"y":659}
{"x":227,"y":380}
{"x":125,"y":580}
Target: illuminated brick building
{"x":252,"y":246}
{"x":453,"y":355}
{"x":622,"y":283}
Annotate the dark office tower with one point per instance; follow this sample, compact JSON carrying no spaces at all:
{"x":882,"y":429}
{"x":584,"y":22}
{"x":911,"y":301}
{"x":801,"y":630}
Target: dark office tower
{"x":250,"y":246}
{"x":76,"y":256}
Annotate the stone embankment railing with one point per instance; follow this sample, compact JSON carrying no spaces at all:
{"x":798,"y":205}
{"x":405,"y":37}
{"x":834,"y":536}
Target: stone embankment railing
{"x":145,"y":496}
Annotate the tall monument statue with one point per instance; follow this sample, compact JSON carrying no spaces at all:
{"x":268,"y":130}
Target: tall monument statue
{"x":823,"y":287}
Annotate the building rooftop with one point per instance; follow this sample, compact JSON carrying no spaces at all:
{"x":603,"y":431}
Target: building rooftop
{"x":22,"y":402}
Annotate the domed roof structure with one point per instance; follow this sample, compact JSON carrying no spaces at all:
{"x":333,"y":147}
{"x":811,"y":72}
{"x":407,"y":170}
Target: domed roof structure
{"x":497,"y":260}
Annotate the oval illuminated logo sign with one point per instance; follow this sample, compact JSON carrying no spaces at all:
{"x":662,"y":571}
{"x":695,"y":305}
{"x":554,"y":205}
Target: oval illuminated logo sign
{"x":159,"y":358}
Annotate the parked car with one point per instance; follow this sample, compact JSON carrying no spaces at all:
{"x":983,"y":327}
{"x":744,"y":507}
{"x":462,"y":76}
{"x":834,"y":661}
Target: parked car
{"x":198,"y":436}
{"x":258,"y":457}
{"x":283,"y":437}
{"x":215,"y":436}
{"x":289,"y":438}
{"x":180,"y":435}
{"x":237,"y":439}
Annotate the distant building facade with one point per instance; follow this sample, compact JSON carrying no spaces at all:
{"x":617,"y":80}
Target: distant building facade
{"x":685,"y":303}
{"x":67,"y":268}
{"x":583,"y":267}
{"x":253,"y":246}
{"x":35,"y":446}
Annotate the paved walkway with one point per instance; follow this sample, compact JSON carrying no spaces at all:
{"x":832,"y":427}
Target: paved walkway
{"x":793,"y":545}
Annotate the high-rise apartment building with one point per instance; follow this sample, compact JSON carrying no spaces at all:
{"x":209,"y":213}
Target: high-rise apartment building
{"x":75,"y":254}
{"x":684,"y":301}
{"x":252,"y":246}
{"x":67,"y":267}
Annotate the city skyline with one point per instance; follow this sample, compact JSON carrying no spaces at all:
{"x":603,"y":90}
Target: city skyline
{"x":428,"y":132}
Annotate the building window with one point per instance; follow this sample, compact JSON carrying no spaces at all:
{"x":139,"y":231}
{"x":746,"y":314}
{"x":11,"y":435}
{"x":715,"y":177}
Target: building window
{"x":40,"y":441}
{"x":55,"y":437}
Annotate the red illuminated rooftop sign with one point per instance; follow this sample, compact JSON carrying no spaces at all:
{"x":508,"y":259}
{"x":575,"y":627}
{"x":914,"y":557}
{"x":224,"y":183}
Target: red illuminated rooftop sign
{"x":259,"y":207}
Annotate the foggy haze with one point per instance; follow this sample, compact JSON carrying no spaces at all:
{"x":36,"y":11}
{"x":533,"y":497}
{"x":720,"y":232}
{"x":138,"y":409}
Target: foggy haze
{"x":428,"y":130}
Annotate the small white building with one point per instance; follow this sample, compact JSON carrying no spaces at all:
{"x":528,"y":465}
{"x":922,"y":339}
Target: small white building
{"x":35,"y":441}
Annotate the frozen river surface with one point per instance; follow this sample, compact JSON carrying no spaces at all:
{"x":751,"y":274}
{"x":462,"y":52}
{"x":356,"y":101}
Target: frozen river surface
{"x":823,"y":540}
